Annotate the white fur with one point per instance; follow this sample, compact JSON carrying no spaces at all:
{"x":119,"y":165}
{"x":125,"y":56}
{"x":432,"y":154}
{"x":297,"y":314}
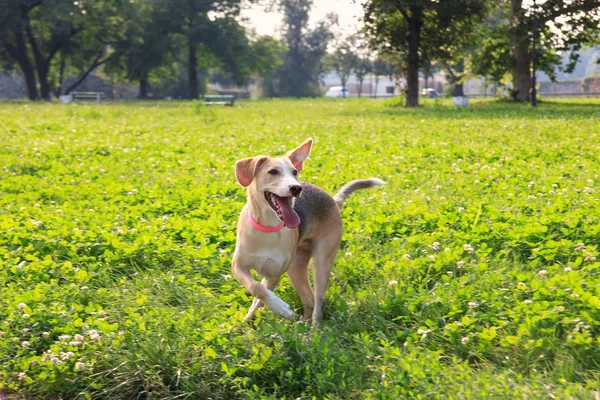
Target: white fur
{"x":278,"y":306}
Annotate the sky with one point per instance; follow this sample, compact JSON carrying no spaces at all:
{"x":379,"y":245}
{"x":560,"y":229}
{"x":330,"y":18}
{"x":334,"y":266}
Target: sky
{"x":269,"y":23}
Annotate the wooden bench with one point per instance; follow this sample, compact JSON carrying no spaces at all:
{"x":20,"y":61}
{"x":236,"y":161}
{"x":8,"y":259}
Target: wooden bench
{"x":219,"y":99}
{"x":98,"y":96}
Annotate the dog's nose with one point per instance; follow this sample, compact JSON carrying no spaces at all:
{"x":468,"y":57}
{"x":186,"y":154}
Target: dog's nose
{"x":295,"y":190}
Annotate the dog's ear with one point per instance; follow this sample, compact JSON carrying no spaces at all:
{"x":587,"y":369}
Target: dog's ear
{"x":299,"y":154}
{"x":246,"y":168}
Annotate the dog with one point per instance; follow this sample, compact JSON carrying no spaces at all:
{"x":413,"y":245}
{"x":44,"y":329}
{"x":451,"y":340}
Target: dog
{"x":282,"y":226}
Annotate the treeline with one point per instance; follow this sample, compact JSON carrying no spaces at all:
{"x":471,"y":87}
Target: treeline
{"x":150,"y":41}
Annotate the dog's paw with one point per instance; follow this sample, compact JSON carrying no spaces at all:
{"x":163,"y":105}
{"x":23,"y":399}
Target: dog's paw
{"x":279,"y":306}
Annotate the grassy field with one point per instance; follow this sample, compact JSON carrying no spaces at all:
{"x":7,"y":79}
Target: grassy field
{"x":472,"y":274}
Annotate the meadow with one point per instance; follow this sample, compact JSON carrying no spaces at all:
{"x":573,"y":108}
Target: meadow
{"x":472,"y":274}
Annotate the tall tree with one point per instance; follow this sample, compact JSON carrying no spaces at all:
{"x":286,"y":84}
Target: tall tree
{"x":415,"y":28}
{"x":210,"y":25}
{"x":142,"y":49}
{"x":35,"y":32}
{"x":300,"y":74}
{"x":343,"y":60}
{"x":565,"y":25}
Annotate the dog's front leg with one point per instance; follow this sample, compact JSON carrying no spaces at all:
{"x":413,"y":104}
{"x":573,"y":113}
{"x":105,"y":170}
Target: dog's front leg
{"x":270,"y":284}
{"x":262,"y":293}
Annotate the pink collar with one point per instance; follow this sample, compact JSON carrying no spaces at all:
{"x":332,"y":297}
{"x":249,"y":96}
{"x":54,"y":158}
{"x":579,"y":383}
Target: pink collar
{"x":263,"y":228}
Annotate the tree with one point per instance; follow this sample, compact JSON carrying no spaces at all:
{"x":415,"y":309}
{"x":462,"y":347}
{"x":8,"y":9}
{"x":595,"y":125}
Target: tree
{"x":143,"y":48}
{"x":415,"y":29}
{"x":35,"y":32}
{"x":266,"y":58}
{"x":564,"y":25}
{"x":382,"y":66}
{"x":300,"y":74}
{"x":364,"y":65}
{"x":343,"y":61}
{"x":210,"y":25}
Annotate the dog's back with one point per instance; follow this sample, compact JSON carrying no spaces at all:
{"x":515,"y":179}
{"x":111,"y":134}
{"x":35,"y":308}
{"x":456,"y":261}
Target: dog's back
{"x":314,"y":207}
{"x":318,"y":209}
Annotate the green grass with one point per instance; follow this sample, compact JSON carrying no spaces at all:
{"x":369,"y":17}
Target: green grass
{"x":120,"y":219}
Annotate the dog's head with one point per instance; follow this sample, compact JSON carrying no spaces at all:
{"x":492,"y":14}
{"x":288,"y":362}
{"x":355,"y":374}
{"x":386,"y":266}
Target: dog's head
{"x":274,"y":181}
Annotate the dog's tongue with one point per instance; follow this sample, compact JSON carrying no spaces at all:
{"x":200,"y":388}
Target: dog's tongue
{"x":290,"y":218}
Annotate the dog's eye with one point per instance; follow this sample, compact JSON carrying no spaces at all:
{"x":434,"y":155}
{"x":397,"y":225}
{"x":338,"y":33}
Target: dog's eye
{"x":294,"y":172}
{"x":273,"y":172}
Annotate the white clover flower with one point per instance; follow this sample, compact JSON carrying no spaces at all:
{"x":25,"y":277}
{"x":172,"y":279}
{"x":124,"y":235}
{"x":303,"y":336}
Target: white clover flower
{"x":79,"y":337}
{"x":75,"y":343}
{"x":37,"y":223}
{"x":25,"y":344}
{"x":438,"y":187}
{"x":79,"y":366}
{"x":45,"y":334}
{"x":574,"y":295}
{"x":25,"y":316}
{"x":472,"y":305}
{"x":449,"y":273}
{"x":464,"y":340}
{"x":460,"y":264}
{"x":461,"y":209}
{"x":92,"y":332}
{"x":36,"y":205}
{"x":55,"y":360}
{"x":423,"y":331}
{"x":528,"y":301}
{"x":468,"y":248}
{"x":407,"y":256}
{"x":84,"y":288}
{"x":64,"y":337}
{"x":580,"y":247}
{"x":542,"y":272}
{"x":22,"y":306}
{"x":568,"y":269}
{"x":392,"y":283}
{"x":22,"y":376}
{"x":432,"y":258}
{"x":435,"y":246}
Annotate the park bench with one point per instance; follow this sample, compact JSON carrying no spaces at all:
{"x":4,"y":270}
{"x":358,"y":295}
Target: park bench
{"x":98,"y":96}
{"x":219,"y":99}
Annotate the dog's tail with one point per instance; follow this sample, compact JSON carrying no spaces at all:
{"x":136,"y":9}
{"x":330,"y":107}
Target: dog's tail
{"x":352,"y":186}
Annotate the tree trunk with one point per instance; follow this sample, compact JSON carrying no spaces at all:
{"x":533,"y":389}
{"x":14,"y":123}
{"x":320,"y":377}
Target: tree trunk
{"x":192,"y":70}
{"x":376,"y":84}
{"x":521,"y":73}
{"x":58,"y":90}
{"x":360,"y":83}
{"x":40,"y":63}
{"x":19,"y":52}
{"x":144,"y":87}
{"x":519,"y":46}
{"x":414,"y":42}
{"x":458,"y":89}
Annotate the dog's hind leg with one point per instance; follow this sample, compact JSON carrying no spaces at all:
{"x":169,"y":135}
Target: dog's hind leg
{"x":270,"y":284}
{"x":298,"y":274}
{"x":245,"y":278}
{"x":323,"y":258}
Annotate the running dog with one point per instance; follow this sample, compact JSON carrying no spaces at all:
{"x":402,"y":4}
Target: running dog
{"x":282,"y":226}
